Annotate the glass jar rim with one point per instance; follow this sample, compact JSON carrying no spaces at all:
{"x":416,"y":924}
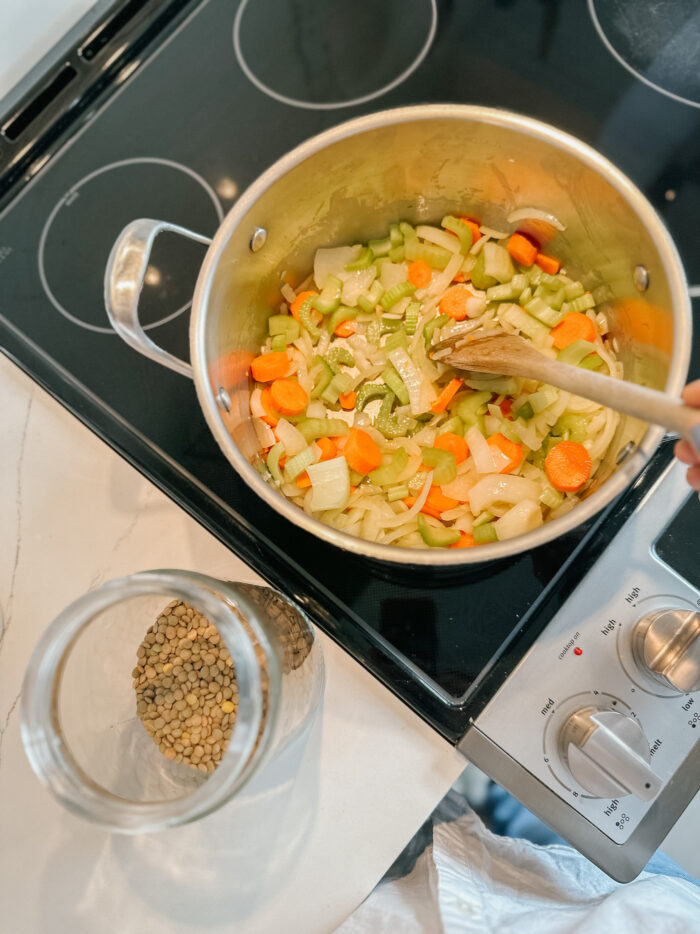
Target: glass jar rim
{"x":47,"y":750}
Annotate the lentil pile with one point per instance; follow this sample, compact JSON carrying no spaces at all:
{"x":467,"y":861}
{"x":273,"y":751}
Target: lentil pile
{"x":186,"y":690}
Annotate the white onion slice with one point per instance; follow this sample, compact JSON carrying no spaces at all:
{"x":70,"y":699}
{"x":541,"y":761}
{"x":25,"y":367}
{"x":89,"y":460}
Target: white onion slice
{"x":333,"y":261}
{"x":404,"y":517}
{"x":492,"y":234}
{"x":534,"y":214}
{"x":266,"y":436}
{"x":459,"y":488}
{"x":292,"y":439}
{"x":501,"y":488}
{"x":481,"y":452}
{"x":256,"y":406}
{"x":330,"y":482}
{"x":288,"y":293}
{"x":523,"y":517}
{"x":439,"y":237}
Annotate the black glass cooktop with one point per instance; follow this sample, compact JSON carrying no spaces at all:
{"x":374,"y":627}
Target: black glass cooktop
{"x":169,"y":110}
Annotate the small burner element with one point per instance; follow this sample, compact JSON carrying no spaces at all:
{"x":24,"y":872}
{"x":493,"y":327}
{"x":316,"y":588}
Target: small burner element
{"x":83,"y":225}
{"x":338,"y":53}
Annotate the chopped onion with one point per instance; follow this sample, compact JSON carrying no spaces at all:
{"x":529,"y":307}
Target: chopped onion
{"x":441,"y":282}
{"x":475,"y":306}
{"x":266,"y":436}
{"x":288,"y":293}
{"x":355,"y":283}
{"x":332,"y":262}
{"x":439,"y":237}
{"x":534,"y":214}
{"x":459,"y":488}
{"x":502,"y":488}
{"x":523,"y":517}
{"x":393,"y":274}
{"x":292,"y":439}
{"x":330,"y":481}
{"x":413,"y":379}
{"x":477,"y":247}
{"x":480,"y":451}
{"x":415,"y":508}
{"x":256,"y":406}
{"x":315,"y":409}
{"x":492,"y":234}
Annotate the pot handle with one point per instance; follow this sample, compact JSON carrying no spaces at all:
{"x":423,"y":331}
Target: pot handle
{"x":124,"y":277}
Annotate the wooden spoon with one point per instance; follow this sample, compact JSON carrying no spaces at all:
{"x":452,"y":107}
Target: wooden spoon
{"x":508,"y":355}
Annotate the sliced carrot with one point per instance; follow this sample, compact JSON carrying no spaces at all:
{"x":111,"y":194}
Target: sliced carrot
{"x":299,"y":301}
{"x":282,"y":461}
{"x":460,"y":277}
{"x":329,"y":448}
{"x":269,"y":366}
{"x":455,"y":444}
{"x":465,"y":541}
{"x":522,"y":250}
{"x":445,"y":397}
{"x":573,"y":327}
{"x":345,"y":329}
{"x":507,"y":408}
{"x":303,"y":481}
{"x":454,"y":302}
{"x":271,"y":416}
{"x":511,"y":449}
{"x":419,"y":273}
{"x":473,"y":225}
{"x":362,"y":452}
{"x":288,"y":397}
{"x":549,"y":264}
{"x":568,"y":466}
{"x":347,"y":400}
{"x":435,"y":504}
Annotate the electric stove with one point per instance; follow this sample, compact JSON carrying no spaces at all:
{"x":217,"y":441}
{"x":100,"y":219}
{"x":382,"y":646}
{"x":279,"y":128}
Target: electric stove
{"x":169,"y":109}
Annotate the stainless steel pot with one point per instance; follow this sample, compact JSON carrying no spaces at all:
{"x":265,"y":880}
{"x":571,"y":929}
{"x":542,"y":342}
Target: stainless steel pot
{"x":418,"y":163}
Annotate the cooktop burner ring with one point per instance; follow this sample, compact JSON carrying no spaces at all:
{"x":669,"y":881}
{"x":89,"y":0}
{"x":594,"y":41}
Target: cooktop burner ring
{"x":332,"y":105}
{"x":67,"y":198}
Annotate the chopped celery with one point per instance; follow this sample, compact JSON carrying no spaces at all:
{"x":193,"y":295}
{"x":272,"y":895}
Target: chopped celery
{"x":395,"y":294}
{"x":273,"y":460}
{"x":485,"y":516}
{"x":396,"y":493}
{"x":542,"y":399}
{"x":556,"y":299}
{"x":340,"y":383}
{"x":459,"y":227}
{"x":313,"y":428}
{"x":473,"y":407}
{"x":406,"y":230}
{"x":575,"y":352}
{"x":592,"y":362}
{"x":395,"y":340}
{"x":572,"y":291}
{"x":329,"y":299}
{"x":479,"y":277}
{"x":525,"y":411}
{"x":508,"y":290}
{"x":525,"y":296}
{"x":454,"y":425}
{"x":444,"y":463}
{"x":305,"y":319}
{"x":278,"y":343}
{"x":581,"y":304}
{"x":551,"y":497}
{"x":283,"y":325}
{"x":395,"y":383}
{"x":437,"y":322}
{"x":393,"y":426}
{"x":552,"y":282}
{"x":356,"y":478}
{"x":485,"y":533}
{"x":397,"y":254}
{"x":322,"y":380}
{"x":538,"y":308}
{"x":337,"y":356}
{"x":390,"y":325}
{"x":342,"y":313}
{"x":508,"y":430}
{"x":572,"y":428}
{"x":411,"y":317}
{"x":298,"y":464}
{"x":374,"y":330}
{"x":370,"y":391}
{"x":395,"y":235}
{"x":534,"y":275}
{"x":437,"y":537}
{"x":497,"y":263}
{"x":436,"y":256}
{"x":390,"y":473}
{"x":363,"y":261}
{"x":370,"y":301}
{"x":520,"y":319}
{"x":380,"y":247}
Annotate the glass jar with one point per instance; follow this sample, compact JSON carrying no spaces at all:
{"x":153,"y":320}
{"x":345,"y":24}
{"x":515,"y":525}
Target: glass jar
{"x":109,"y":651}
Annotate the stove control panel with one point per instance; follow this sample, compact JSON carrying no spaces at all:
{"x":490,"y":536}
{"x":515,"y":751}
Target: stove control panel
{"x":605,"y":706}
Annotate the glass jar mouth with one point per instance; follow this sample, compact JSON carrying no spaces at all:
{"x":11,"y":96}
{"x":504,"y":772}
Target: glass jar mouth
{"x":49,"y":752}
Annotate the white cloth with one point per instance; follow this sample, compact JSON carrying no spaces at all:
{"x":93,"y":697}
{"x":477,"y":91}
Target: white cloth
{"x":470,"y":881}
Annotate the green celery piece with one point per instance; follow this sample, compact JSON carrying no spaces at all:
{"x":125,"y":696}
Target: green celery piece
{"x":380,"y":247}
{"x":454,"y":425}
{"x":390,"y":473}
{"x":479,"y":277}
{"x":397,"y":492}
{"x":390,"y":325}
{"x":541,"y":399}
{"x":363,"y":261}
{"x":305,"y":319}
{"x":273,"y":460}
{"x":397,"y":254}
{"x":539,"y":309}
{"x":298,"y":464}
{"x":370,"y":301}
{"x":443,"y":462}
{"x":395,"y":340}
{"x":572,"y":291}
{"x":337,"y":356}
{"x":395,"y":383}
{"x":436,"y":256}
{"x":340,"y":383}
{"x":284,"y":325}
{"x":551,"y":282}
{"x":482,"y":518}
{"x":395,"y":235}
{"x":407,"y":230}
{"x":572,"y":427}
{"x":457,"y":226}
{"x":436,"y":538}
{"x":437,"y":322}
{"x":592,"y":362}
{"x":395,"y":294}
{"x":485,"y":533}
{"x":323,"y":379}
{"x":393,"y":426}
{"x":329,"y":299}
{"x":342,"y":313}
{"x":370,"y":391}
{"x":575,"y":352}
{"x":314,"y":428}
{"x":356,"y":478}
{"x":473,"y":407}
{"x":582,"y":303}
{"x":411,"y":316}
{"x":497,"y":262}
{"x":525,"y":411}
{"x":278,"y":343}
{"x":525,"y":296}
{"x":374,"y":330}
{"x":551,"y":497}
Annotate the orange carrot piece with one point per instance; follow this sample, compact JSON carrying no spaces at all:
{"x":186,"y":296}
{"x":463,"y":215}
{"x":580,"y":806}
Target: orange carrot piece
{"x":329,"y":449}
{"x":455,"y":444}
{"x":473,"y":225}
{"x":271,"y":416}
{"x":573,"y":327}
{"x":362,"y":452}
{"x":522,"y":250}
{"x":288,"y":397}
{"x":347,"y":400}
{"x":299,"y":301}
{"x":568,"y":466}
{"x":419,"y":273}
{"x":435,"y":504}
{"x":549,"y":264}
{"x":269,"y":366}
{"x":506,"y":408}
{"x":465,"y":541}
{"x":303,"y":481}
{"x":345,"y":329}
{"x":511,"y":449}
{"x":445,"y":397}
{"x":454,"y":302}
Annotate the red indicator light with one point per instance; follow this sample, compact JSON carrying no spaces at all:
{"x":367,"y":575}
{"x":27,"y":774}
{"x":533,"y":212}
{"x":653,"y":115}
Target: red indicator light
{"x":578,"y":651}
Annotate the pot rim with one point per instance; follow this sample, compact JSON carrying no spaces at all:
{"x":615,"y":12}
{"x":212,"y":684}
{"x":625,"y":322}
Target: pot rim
{"x":678,"y":369}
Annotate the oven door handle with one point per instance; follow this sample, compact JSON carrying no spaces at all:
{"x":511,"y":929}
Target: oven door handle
{"x":124,"y":278}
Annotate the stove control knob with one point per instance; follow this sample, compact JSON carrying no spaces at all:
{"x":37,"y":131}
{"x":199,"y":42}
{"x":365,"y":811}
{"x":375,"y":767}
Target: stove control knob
{"x":608,"y":754}
{"x":666,"y":645}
